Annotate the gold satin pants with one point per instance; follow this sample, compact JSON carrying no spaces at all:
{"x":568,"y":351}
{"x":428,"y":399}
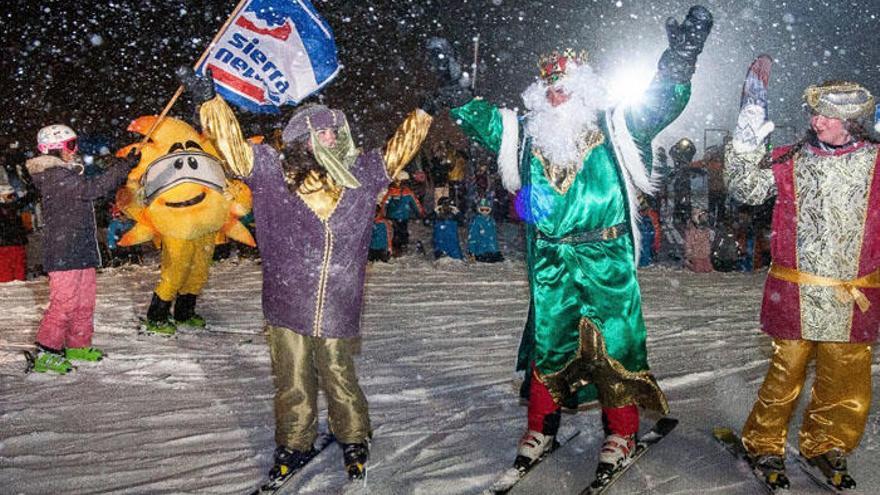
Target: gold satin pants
{"x":301,"y":365}
{"x":839,"y":403}
{"x":184,"y":266}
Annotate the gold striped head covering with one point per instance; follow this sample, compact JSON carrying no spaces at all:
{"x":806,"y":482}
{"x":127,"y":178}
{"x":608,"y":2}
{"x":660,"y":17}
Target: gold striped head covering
{"x":842,"y":100}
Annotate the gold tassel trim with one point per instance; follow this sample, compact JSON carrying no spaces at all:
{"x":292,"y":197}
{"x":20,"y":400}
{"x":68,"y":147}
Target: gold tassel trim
{"x":406,"y":141}
{"x":220,"y":125}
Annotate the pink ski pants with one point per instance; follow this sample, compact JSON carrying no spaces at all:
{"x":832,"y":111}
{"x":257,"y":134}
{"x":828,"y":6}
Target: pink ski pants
{"x":69,"y":321}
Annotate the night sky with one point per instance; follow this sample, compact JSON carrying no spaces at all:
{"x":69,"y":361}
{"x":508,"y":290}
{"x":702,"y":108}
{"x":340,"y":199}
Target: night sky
{"x":98,"y":64}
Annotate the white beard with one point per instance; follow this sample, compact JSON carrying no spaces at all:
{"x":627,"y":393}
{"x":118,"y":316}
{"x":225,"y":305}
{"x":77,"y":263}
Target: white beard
{"x":557,"y":131}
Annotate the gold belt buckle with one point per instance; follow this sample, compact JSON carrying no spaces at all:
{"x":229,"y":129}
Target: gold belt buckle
{"x":609,"y":233}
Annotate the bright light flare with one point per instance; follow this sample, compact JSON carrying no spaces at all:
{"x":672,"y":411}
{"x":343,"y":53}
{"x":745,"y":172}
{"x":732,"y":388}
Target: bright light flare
{"x":628,"y":84}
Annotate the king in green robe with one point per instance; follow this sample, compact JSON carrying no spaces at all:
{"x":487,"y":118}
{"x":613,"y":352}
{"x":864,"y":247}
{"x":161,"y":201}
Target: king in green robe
{"x":578,"y":163}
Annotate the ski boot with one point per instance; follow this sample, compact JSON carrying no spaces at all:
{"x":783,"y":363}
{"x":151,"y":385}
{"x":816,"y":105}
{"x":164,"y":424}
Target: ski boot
{"x":288,"y":462}
{"x":771,"y":469}
{"x":46,"y":359}
{"x":91,"y":354}
{"x":159,"y":318}
{"x":617,"y":451}
{"x":185,"y":311}
{"x":832,"y":465}
{"x":534,"y":445}
{"x":355,"y":456}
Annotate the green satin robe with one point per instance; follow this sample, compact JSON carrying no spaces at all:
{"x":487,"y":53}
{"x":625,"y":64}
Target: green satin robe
{"x":596,"y":280}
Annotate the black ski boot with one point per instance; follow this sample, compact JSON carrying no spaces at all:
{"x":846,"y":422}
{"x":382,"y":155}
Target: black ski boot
{"x":159,"y":317}
{"x":832,"y":465}
{"x":185,"y":311}
{"x":288,"y":462}
{"x":355,"y":456}
{"x":770,"y":468}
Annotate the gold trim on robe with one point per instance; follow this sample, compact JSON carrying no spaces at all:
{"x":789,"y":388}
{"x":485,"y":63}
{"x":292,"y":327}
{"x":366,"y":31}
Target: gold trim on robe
{"x":617,"y":386}
{"x":561,"y":177}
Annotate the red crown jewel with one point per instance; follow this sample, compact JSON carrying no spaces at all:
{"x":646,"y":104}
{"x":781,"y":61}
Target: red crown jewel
{"x":555,"y":64}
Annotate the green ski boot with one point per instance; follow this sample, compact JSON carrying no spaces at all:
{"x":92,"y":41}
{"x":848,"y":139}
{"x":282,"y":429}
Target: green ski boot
{"x":91,"y":354}
{"x":158,"y":320}
{"x":195,"y":322}
{"x":164,"y":328}
{"x":45,"y":360}
{"x":185,"y":311}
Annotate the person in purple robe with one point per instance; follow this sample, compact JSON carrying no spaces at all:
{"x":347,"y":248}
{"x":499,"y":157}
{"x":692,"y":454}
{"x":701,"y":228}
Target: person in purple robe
{"x":314,"y":203}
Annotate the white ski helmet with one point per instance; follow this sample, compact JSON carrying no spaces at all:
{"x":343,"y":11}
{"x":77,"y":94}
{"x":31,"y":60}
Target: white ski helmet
{"x":55,"y":137}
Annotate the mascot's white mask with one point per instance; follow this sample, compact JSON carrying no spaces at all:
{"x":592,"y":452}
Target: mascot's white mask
{"x":180,"y":167}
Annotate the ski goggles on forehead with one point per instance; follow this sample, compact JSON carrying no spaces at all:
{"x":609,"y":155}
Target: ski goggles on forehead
{"x":71,"y":145}
{"x":193,"y":167}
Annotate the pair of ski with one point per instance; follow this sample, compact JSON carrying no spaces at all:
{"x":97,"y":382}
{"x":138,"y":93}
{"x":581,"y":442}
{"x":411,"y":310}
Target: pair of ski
{"x":510,"y":477}
{"x":733,"y":444}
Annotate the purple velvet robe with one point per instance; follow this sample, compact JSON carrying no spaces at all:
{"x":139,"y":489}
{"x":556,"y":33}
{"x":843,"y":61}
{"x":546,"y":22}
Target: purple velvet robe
{"x":313,"y":271}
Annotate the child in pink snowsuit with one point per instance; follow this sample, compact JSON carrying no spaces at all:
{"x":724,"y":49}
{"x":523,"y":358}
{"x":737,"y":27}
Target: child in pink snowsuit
{"x":70,"y":248}
{"x":698,"y":242}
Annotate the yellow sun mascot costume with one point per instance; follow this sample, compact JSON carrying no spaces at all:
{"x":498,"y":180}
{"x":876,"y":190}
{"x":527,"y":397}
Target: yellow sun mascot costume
{"x":180,"y":198}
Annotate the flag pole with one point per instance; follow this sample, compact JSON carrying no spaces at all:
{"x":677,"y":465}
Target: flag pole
{"x":201,"y":59}
{"x":476,"y":61}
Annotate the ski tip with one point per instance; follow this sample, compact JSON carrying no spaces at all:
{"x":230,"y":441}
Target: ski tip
{"x":31,"y":359}
{"x":665,"y":425}
{"x":668,"y":420}
{"x":720,"y":431}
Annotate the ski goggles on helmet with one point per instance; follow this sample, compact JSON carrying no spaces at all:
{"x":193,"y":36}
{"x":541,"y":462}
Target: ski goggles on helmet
{"x":70,"y":145}
{"x":194,"y":167}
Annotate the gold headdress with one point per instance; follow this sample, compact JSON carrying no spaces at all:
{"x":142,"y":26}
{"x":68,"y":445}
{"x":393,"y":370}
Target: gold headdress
{"x":839,"y":100}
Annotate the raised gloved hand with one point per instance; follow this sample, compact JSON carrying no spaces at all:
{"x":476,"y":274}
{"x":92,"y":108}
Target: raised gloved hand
{"x":454,"y":87}
{"x":752,"y":127}
{"x":200,"y":88}
{"x":686,"y":41}
{"x":133,"y":158}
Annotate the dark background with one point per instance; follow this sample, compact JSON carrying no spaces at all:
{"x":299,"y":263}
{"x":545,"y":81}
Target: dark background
{"x":97,"y":65}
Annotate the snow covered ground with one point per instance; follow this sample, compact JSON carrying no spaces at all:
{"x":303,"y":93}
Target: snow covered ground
{"x":194,"y":414}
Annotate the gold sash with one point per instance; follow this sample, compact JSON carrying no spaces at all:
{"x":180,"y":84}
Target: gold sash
{"x":846,"y":291}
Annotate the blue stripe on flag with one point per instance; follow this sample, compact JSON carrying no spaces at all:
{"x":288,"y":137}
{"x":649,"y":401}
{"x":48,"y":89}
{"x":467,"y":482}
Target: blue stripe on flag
{"x":317,"y":37}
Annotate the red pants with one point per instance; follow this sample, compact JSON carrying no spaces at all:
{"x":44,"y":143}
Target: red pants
{"x":620,"y":420}
{"x":13,"y":262}
{"x":69,"y":321}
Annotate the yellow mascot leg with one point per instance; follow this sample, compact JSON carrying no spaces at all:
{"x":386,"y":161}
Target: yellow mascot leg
{"x":200,"y":264}
{"x":176,"y":264}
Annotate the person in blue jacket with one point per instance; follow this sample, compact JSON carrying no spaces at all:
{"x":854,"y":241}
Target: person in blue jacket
{"x":446,"y":220}
{"x":380,"y":242}
{"x":482,"y":235}
{"x":401,"y":204}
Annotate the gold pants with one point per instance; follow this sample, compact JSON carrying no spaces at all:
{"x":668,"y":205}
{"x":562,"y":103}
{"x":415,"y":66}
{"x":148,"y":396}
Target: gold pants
{"x":839,"y":404}
{"x":184,"y":266}
{"x":300,"y":366}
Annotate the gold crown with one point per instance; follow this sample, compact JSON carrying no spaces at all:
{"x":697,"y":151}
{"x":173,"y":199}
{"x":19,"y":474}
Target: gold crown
{"x":555,"y":64}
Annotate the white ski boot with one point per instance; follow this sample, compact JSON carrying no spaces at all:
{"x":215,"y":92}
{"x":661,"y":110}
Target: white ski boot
{"x":617,"y":451}
{"x":533,"y":446}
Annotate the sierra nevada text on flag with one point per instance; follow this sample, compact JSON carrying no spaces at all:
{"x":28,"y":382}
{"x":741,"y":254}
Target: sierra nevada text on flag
{"x":272,"y":53}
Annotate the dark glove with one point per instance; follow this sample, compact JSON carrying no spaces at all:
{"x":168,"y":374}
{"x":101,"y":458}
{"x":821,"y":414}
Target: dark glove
{"x":686,"y":41}
{"x":200,"y":88}
{"x":442,"y":61}
{"x":454,"y":89}
{"x":133,"y":158}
